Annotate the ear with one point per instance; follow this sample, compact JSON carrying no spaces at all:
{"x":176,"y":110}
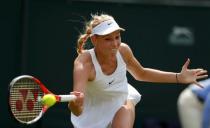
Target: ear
{"x":93,"y":39}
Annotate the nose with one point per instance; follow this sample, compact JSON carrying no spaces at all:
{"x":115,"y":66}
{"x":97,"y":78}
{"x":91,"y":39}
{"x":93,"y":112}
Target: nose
{"x":116,"y":43}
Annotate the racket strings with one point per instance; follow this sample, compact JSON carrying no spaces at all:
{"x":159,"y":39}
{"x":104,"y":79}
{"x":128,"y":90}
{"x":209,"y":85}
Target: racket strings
{"x":24,"y":99}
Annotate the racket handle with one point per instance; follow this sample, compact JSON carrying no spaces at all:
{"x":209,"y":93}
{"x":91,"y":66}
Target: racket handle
{"x":67,"y":98}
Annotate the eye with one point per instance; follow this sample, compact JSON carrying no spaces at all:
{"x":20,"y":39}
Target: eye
{"x":107,"y":39}
{"x":118,"y":37}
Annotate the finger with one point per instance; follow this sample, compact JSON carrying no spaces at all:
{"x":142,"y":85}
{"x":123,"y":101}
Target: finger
{"x":202,"y":76}
{"x":81,"y":95}
{"x":201,"y":72}
{"x":76,"y":93}
{"x":185,"y":66}
{"x":195,"y":71}
{"x":199,"y":85}
{"x":198,"y":70}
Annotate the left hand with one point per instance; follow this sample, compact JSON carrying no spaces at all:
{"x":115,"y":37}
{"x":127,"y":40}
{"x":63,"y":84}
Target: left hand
{"x":191,"y":75}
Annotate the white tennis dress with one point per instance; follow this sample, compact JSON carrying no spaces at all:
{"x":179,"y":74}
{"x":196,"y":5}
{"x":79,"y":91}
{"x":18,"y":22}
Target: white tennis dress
{"x":104,"y":96}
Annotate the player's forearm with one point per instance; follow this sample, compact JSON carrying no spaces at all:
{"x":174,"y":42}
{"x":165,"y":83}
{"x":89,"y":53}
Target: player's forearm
{"x":153,"y":75}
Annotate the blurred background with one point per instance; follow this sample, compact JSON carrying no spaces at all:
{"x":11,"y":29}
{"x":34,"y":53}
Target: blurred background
{"x":38,"y":37}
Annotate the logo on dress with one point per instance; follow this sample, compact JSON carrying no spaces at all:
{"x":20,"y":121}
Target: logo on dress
{"x":111,"y":82}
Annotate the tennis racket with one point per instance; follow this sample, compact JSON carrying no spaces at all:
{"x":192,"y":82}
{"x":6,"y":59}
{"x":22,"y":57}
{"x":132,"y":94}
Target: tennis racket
{"x":25,"y":94}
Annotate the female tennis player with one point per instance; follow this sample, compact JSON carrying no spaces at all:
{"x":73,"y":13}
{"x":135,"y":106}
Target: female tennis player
{"x":105,"y":99}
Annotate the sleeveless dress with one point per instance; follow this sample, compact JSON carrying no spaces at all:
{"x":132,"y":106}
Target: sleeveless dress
{"x":104,"y":96}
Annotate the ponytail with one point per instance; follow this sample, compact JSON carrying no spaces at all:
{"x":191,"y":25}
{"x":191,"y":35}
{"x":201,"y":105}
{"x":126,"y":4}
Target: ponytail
{"x":82,"y":40}
{"x":80,"y":43}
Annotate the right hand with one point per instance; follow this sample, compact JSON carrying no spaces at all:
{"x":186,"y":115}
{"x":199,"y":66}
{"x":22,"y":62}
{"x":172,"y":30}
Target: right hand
{"x":76,"y":106}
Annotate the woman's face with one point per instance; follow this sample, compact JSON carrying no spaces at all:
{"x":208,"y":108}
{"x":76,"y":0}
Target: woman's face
{"x":108,"y":44}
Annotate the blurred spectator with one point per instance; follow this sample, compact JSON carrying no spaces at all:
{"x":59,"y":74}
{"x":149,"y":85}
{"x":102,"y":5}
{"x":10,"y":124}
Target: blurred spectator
{"x":194,"y":106}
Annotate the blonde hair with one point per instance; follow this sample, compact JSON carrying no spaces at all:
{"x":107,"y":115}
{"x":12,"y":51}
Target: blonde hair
{"x":95,"y":20}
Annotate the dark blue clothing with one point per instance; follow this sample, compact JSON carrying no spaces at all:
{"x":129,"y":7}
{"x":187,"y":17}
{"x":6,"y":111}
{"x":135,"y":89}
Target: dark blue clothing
{"x":204,"y":95}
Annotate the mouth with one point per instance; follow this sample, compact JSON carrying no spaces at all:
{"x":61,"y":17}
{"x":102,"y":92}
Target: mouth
{"x":114,"y":50}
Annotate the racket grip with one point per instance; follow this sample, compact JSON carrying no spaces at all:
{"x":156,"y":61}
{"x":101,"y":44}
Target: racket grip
{"x":67,"y":98}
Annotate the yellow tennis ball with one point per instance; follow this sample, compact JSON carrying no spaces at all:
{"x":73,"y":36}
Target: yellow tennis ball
{"x":48,"y":100}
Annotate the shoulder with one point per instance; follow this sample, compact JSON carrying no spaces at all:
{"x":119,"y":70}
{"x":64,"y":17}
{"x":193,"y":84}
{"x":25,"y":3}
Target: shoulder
{"x":83,"y":65}
{"x":124,"y":47}
{"x":83,"y":58}
{"x":125,"y":51}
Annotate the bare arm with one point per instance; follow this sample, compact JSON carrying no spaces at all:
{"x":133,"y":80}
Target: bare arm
{"x":81,"y":74}
{"x":153,"y":75}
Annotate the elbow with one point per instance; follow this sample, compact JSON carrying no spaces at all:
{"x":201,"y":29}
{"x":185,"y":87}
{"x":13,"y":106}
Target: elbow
{"x":139,"y":75}
{"x":138,"y":78}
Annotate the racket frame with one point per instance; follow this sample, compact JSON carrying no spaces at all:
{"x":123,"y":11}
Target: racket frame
{"x":59,"y":98}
